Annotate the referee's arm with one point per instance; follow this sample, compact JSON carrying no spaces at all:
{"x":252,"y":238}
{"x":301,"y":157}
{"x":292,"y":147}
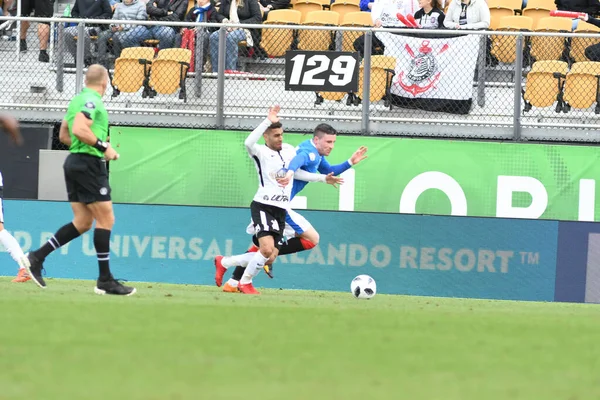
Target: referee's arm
{"x":64,"y":136}
{"x":82,"y":129}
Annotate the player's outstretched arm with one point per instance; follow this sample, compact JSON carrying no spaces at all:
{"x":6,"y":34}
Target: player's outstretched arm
{"x":330,"y":179}
{"x":255,"y":135}
{"x":11,"y":126}
{"x":358,"y":156}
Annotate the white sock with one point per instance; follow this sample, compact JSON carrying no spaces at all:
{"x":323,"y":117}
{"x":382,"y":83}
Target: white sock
{"x":232,"y":282}
{"x":11,"y":244}
{"x":254,"y":267}
{"x":234,"y":261}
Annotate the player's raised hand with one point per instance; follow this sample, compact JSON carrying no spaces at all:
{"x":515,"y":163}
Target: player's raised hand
{"x":359,"y":155}
{"x":274,"y":113}
{"x":334,"y":180}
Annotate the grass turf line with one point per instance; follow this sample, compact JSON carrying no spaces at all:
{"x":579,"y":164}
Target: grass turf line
{"x":195,"y":342}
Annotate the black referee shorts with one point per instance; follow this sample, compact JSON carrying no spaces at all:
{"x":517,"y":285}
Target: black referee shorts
{"x":86,"y":177}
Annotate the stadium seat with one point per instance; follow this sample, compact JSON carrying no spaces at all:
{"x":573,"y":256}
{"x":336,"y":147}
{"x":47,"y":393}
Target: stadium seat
{"x":277,"y":41}
{"x":383,"y":69}
{"x":362,"y":19}
{"x":169,"y":71}
{"x":357,"y":2}
{"x":497,"y":13}
{"x":536,"y":14}
{"x":317,"y":40}
{"x":541,"y":4}
{"x":132,"y":70}
{"x":550,"y":47}
{"x":307,"y":6}
{"x":343,"y":8}
{"x":510,"y":4}
{"x":544,"y":85}
{"x":581,"y":86}
{"x":504,"y":48}
{"x":579,"y":44}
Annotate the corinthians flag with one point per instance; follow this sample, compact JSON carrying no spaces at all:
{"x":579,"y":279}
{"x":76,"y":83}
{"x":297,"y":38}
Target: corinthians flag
{"x":433,"y":74}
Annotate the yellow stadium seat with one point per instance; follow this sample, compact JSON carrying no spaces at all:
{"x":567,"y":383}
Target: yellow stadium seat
{"x":497,"y":13}
{"x":541,"y":4}
{"x":357,"y":2}
{"x":544,"y":85}
{"x":307,"y":6}
{"x":343,"y":8}
{"x":132,"y":70}
{"x":382,"y":72}
{"x":536,"y":14}
{"x":581,"y":86}
{"x":169,"y":71}
{"x":277,"y":41}
{"x":579,"y":44}
{"x":317,"y":40}
{"x":504,"y":48}
{"x":362,"y":19}
{"x":510,"y":4}
{"x":550,"y":47}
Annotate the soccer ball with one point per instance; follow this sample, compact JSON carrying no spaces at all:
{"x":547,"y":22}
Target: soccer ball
{"x":363,"y":287}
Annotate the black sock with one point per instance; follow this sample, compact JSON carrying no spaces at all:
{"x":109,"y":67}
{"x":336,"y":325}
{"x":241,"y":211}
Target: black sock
{"x":102,"y":245}
{"x":237,"y":274}
{"x":63,"y":236}
{"x":293,"y":245}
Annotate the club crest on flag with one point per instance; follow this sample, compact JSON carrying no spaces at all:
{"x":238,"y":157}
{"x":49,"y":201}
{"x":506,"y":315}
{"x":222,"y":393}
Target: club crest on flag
{"x":423,"y":71}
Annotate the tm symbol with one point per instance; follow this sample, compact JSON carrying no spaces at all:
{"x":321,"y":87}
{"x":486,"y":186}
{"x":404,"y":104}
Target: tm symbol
{"x":530,"y":258}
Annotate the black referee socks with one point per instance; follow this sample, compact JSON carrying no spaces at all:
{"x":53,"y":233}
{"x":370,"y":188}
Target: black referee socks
{"x":63,"y":236}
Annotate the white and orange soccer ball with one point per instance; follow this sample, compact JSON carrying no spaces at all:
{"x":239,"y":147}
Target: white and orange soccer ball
{"x":363,"y":287}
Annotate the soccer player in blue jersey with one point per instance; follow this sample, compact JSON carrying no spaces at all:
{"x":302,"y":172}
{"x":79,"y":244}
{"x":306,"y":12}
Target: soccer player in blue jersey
{"x":300,"y":234}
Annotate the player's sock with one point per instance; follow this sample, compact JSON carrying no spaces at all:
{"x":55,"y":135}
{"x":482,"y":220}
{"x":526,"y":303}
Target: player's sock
{"x":240,"y":259}
{"x":295,"y":245}
{"x":232,"y":282}
{"x":254,"y":267}
{"x":63,"y":236}
{"x":102,"y":245}
{"x":11,"y":245}
{"x":238,"y":272}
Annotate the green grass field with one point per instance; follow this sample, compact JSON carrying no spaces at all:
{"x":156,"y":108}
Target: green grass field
{"x":194,"y":342}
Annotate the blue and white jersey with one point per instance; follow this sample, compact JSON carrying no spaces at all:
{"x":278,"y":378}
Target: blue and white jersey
{"x":309,"y":159}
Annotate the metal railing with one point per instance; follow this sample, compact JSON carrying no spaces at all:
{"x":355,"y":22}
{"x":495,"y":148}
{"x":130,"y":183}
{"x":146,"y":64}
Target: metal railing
{"x":480,"y":91}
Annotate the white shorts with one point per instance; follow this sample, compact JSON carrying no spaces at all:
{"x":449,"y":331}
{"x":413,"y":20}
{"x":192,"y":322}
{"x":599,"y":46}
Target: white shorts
{"x":295,"y":225}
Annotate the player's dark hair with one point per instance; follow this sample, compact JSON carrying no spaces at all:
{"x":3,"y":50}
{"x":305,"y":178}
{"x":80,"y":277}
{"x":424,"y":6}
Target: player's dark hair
{"x":276,"y":125}
{"x":324,"y":129}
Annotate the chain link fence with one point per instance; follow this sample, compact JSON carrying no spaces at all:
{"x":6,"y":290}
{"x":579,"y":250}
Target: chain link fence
{"x":427,"y":83}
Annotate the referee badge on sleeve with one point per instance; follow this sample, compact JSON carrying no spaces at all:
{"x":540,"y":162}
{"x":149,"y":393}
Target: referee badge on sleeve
{"x":90,"y":105}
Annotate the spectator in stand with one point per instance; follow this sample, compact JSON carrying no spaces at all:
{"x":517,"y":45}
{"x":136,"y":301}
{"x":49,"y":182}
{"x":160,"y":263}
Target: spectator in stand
{"x":123,"y":35}
{"x":96,"y":9}
{"x":203,"y":11}
{"x":384,"y":14}
{"x":591,"y":7}
{"x":165,"y":10}
{"x":467,"y":14}
{"x":268,"y":5}
{"x":41,"y":9}
{"x":235,"y":11}
{"x":430,"y":16}
{"x":403,"y":6}
{"x":592,"y":52}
